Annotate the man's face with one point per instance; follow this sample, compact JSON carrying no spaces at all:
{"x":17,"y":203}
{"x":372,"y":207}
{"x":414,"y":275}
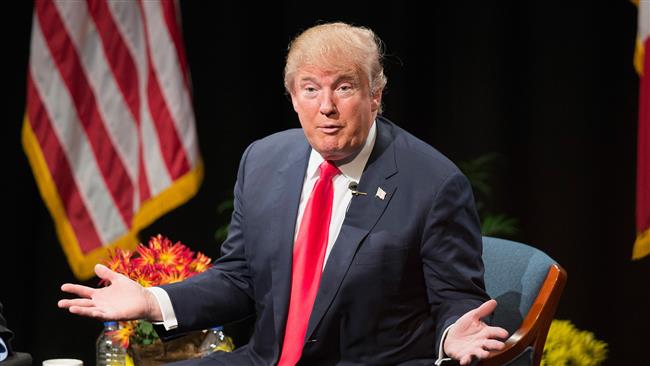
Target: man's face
{"x":335,"y":109}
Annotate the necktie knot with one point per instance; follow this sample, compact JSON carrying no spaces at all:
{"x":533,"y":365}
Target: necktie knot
{"x":328,"y":170}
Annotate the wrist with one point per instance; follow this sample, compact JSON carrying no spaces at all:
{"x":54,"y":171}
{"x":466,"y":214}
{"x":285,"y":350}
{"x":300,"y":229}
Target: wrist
{"x":153,"y":312}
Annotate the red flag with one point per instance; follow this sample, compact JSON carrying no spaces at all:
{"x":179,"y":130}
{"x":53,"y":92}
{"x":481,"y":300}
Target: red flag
{"x":642,"y":64}
{"x":109,"y":129}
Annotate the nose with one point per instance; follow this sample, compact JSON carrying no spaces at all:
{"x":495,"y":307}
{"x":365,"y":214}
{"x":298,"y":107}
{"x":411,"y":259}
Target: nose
{"x":327,"y":105}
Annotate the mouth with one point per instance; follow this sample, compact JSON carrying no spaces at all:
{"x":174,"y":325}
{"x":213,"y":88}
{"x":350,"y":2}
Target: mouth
{"x":330,"y":129}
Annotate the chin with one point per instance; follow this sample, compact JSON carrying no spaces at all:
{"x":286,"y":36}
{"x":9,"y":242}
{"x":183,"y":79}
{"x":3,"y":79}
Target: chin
{"x":336,"y":155}
{"x":331,"y":154}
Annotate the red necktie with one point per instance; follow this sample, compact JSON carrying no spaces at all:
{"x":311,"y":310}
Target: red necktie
{"x":308,"y":255}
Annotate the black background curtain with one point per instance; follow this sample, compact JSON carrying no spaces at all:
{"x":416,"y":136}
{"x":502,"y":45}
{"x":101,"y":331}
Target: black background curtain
{"x":549,"y":87}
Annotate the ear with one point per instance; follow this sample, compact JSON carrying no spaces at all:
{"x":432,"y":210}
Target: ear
{"x":294,"y":101}
{"x":376,"y":100}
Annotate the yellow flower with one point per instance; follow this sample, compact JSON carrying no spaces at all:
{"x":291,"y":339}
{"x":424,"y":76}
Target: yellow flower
{"x":566,"y":345}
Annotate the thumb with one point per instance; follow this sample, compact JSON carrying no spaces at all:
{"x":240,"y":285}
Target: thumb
{"x":104,"y":272}
{"x":485,"y":309}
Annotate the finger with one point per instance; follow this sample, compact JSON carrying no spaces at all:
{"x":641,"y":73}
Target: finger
{"x":92,"y":312}
{"x":66,"y":303}
{"x":481,"y":354}
{"x":485,"y":309}
{"x":494,"y":332}
{"x":104,"y":272}
{"x":79,"y":290}
{"x":493,"y":345}
{"x":465,"y":360}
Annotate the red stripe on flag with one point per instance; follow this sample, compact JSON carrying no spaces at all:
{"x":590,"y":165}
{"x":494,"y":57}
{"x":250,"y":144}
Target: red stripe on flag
{"x":171,"y":147}
{"x":69,"y":65}
{"x":643,"y":147}
{"x":118,"y":55}
{"x":169,"y":9}
{"x":60,"y":170}
{"x":125,"y":73}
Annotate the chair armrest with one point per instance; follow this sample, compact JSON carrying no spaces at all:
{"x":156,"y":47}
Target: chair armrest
{"x":534,"y":328}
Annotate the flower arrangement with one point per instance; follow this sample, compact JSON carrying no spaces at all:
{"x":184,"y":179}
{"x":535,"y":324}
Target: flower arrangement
{"x":159,"y":262}
{"x":567,"y":345}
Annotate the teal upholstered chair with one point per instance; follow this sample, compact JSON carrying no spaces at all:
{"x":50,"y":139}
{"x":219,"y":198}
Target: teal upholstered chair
{"x":527,"y":285}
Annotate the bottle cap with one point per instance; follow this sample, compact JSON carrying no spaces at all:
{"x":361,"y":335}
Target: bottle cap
{"x":109,"y":323}
{"x":217,"y":328}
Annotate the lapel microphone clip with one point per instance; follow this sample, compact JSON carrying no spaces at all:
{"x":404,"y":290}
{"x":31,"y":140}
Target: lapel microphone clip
{"x":353,"y":188}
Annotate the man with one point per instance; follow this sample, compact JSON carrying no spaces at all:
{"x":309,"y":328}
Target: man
{"x":351,"y":241}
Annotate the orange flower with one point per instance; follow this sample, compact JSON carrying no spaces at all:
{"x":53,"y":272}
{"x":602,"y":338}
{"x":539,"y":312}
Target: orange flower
{"x":147,"y":255}
{"x":123,"y":335}
{"x":201,"y":263}
{"x":145,"y":277}
{"x":119,"y":261}
{"x":157,"y":263}
{"x":173,"y":256}
{"x":173,"y":276}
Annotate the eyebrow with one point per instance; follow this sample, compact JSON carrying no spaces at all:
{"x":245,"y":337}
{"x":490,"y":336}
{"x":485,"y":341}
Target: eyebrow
{"x":344,"y":77}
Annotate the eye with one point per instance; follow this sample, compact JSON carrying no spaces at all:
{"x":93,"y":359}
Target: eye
{"x":309,"y":91}
{"x":345,"y":89}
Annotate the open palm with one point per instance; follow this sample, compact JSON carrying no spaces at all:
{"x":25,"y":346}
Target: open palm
{"x":471,"y":337}
{"x":123,"y":299}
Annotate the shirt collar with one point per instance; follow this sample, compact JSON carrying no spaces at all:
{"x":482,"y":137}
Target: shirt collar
{"x":353,"y":169}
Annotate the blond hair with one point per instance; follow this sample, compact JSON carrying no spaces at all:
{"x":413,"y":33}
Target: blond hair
{"x":337,"y":46}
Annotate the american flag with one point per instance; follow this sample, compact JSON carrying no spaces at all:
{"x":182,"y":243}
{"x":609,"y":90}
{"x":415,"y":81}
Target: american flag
{"x":109,"y":128}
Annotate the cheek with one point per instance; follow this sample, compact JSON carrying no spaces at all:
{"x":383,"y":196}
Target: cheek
{"x":306,"y":112}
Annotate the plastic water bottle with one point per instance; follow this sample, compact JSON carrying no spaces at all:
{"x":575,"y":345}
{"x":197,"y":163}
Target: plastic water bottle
{"x":109,"y":352}
{"x":215,"y":340}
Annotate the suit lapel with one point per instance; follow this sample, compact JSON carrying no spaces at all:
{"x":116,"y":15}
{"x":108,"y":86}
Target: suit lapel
{"x":363,"y":214}
{"x":287,"y":190}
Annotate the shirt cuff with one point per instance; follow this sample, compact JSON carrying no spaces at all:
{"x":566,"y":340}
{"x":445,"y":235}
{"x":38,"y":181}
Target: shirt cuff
{"x":442,"y":357}
{"x":165,"y":303}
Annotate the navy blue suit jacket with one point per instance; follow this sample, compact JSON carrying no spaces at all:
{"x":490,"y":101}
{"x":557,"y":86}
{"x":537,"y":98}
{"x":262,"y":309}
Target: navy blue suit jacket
{"x":401,"y":270}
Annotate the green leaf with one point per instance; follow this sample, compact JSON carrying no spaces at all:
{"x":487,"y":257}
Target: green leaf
{"x":225,"y":207}
{"x":221,"y":234}
{"x":499,"y":225}
{"x":145,"y":326}
{"x":478,"y":171}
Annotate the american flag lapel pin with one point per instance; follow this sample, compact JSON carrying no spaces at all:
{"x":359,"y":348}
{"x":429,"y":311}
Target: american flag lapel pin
{"x":380,"y":193}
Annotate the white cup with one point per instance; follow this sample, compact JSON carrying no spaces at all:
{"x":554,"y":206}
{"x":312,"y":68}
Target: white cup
{"x":63,"y":362}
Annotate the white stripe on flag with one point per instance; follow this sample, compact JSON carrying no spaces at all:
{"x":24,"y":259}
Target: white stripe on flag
{"x":168,"y":70}
{"x":119,"y":123}
{"x":74,"y":141}
{"x":644,"y":20}
{"x":128,"y":18}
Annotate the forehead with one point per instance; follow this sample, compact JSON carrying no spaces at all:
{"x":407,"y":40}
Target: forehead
{"x":318,"y":73}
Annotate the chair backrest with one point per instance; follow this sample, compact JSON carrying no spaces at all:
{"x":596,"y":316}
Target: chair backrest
{"x":514,"y":273}
{"x":527,"y":285}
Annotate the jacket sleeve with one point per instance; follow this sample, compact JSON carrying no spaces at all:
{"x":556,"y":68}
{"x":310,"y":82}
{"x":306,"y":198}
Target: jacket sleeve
{"x":223,"y":293}
{"x":451,"y":254}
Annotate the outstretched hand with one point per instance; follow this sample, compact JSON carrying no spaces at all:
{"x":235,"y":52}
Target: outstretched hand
{"x":123,"y":299}
{"x":471,"y":337}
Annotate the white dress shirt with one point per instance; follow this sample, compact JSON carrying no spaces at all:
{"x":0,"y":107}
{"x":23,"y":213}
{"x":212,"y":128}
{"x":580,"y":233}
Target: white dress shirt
{"x":350,"y":172}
